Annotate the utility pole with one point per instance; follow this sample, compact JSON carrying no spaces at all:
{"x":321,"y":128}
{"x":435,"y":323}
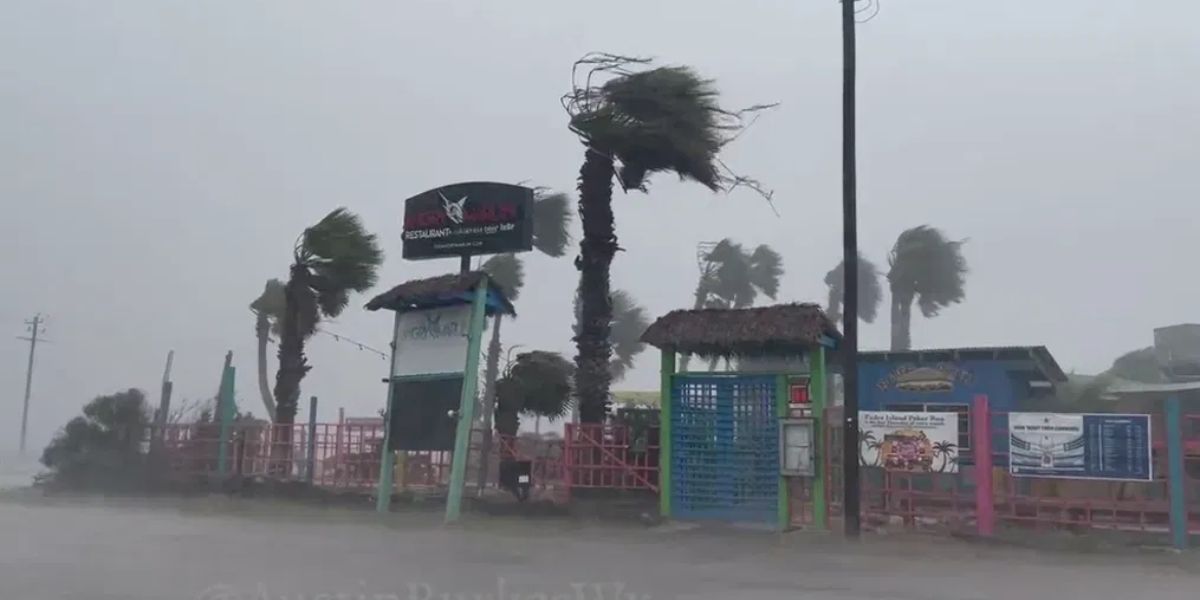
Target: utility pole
{"x":850,"y":482}
{"x":35,"y":326}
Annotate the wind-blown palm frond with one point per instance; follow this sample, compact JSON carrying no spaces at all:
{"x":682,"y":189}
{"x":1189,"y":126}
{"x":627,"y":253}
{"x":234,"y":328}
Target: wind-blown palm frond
{"x":271,"y":304}
{"x":927,"y":265}
{"x":766,"y":269}
{"x":537,"y":383}
{"x":508,"y":271}
{"x":737,"y":277}
{"x":551,"y":222}
{"x":659,"y":119}
{"x":341,"y":254}
{"x":870,"y":291}
{"x":629,"y":323}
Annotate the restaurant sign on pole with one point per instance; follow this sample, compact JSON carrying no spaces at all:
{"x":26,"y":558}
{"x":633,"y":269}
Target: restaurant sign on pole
{"x":1080,"y":446}
{"x":468,"y":219}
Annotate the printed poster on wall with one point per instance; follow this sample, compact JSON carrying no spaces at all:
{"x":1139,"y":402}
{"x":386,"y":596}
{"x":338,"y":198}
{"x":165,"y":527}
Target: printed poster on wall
{"x":430,"y":342}
{"x":914,"y":442}
{"x":1080,"y":446}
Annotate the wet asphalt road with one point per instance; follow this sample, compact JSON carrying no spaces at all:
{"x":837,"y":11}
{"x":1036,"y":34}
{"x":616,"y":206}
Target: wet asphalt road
{"x":220,"y":549}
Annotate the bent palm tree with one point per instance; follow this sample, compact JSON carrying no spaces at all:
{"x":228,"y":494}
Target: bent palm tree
{"x":268,"y":310}
{"x":928,"y":268}
{"x":659,"y":119}
{"x":944,"y":449}
{"x":536,"y":383}
{"x":870,"y":293}
{"x":731,"y":277}
{"x":330,"y":259}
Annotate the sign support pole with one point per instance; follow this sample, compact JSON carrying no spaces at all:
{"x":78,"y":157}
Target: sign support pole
{"x":383,"y":496}
{"x":466,"y":409}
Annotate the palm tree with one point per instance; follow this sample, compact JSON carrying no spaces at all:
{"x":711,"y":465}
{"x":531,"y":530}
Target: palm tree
{"x":629,"y":322}
{"x":926,"y":267}
{"x":330,"y":259}
{"x":645,"y":121}
{"x":732,"y":277}
{"x":943,"y":449}
{"x":537,"y":383}
{"x":268,"y":311}
{"x":870,"y":293}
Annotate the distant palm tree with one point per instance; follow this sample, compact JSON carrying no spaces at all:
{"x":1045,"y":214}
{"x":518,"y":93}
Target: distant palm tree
{"x":330,"y":259}
{"x":537,"y":383}
{"x":268,"y":311}
{"x":870,"y":293}
{"x":928,"y":268}
{"x":647,"y":121}
{"x":732,"y":277}
{"x":944,"y":449}
{"x":629,"y":322}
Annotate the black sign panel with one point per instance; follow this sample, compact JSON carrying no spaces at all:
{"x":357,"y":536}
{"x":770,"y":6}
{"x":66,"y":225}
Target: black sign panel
{"x":467,"y":219}
{"x":422,"y":413}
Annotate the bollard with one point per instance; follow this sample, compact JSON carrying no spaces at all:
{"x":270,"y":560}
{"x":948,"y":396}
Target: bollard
{"x":981,"y":442}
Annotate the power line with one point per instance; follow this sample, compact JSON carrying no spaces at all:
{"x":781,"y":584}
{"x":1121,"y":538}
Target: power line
{"x":36,"y":327}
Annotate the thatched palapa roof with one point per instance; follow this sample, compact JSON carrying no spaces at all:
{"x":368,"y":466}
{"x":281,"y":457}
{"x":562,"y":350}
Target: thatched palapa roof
{"x":444,"y":290}
{"x":784,"y":329}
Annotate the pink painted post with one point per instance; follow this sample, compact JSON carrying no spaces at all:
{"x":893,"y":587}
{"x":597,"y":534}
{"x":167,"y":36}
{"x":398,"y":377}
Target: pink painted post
{"x":981,"y":443}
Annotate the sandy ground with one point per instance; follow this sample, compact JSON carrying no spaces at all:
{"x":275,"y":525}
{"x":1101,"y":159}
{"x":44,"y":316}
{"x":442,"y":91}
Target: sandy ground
{"x":222,"y":549}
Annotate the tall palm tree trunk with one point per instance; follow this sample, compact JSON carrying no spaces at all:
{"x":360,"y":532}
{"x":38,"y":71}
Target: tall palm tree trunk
{"x":490,"y":373}
{"x":596,"y":250}
{"x":262,"y":328}
{"x":292,"y":363}
{"x":902,"y":321}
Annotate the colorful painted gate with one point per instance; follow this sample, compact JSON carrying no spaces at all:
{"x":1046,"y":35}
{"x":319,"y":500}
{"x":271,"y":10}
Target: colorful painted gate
{"x":725,"y":448}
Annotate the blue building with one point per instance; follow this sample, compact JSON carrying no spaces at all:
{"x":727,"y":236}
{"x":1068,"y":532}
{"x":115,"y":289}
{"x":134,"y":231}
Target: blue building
{"x":1014,"y":378}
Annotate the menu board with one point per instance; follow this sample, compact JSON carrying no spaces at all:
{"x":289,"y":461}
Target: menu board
{"x":1080,"y":446}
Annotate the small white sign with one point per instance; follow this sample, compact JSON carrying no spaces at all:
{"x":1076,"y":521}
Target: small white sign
{"x":432,"y":341}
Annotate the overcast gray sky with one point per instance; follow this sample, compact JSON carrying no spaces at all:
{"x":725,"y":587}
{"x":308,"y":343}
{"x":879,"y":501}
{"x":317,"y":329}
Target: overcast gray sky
{"x":159,"y":158}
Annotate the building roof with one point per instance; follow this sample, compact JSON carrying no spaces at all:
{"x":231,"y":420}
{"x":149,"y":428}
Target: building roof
{"x":770,"y":330}
{"x":1126,"y":387}
{"x":443,"y":290}
{"x":1038,"y":354}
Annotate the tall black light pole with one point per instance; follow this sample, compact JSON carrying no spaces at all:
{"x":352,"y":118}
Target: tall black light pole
{"x":849,"y":348}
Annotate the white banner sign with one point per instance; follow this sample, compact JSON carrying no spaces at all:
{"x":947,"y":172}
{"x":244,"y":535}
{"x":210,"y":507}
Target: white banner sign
{"x":432,"y":341}
{"x":922,"y":442}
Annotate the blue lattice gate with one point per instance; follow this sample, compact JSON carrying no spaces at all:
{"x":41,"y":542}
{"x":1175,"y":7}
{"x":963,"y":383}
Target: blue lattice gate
{"x":725,"y":448}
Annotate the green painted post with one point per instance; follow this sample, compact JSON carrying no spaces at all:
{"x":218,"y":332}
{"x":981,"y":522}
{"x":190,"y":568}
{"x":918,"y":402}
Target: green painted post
{"x":310,"y":471}
{"x":383,"y":495}
{"x":667,"y":373}
{"x":466,"y":408}
{"x":816,"y":387}
{"x":1175,"y":474}
{"x":227,"y":410}
{"x":783,"y":511}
